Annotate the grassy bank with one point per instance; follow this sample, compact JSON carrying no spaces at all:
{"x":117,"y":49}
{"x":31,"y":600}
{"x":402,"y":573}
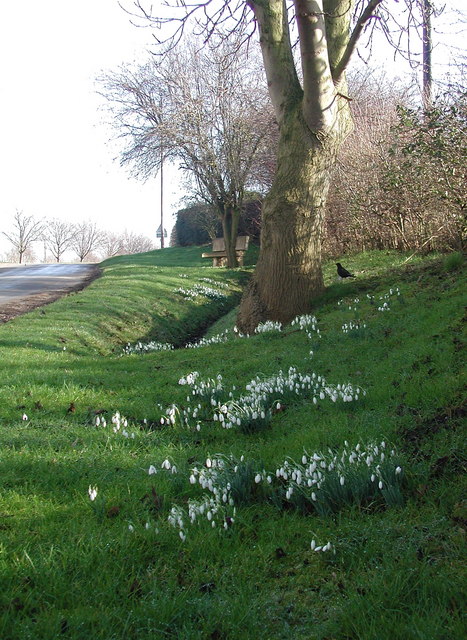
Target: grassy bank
{"x":130,"y":562}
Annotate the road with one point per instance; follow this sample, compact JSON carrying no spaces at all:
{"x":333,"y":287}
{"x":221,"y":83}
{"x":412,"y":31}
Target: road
{"x":24,"y":288}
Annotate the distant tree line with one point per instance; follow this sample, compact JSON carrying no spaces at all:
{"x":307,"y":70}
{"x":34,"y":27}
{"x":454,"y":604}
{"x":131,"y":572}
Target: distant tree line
{"x":56,"y":237}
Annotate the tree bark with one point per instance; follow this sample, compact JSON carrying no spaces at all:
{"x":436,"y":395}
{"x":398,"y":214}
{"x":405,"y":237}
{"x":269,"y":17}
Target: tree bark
{"x":313,"y":122}
{"x":288,"y":274}
{"x":230,"y":219}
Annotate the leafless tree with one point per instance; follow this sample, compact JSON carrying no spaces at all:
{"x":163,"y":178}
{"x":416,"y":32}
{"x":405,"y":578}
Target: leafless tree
{"x":111,"y":244}
{"x":202,"y":108}
{"x":135,"y":243}
{"x":26,"y":230}
{"x":58,"y":236}
{"x":86,"y":239}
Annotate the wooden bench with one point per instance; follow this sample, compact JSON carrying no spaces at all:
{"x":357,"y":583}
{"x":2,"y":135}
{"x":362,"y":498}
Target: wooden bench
{"x":219,"y":255}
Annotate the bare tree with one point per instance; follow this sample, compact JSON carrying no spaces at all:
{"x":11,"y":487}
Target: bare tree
{"x":135,"y":243}
{"x":111,"y":244}
{"x":26,"y":231}
{"x":203,"y":109}
{"x":86,"y":239}
{"x":58,"y":236}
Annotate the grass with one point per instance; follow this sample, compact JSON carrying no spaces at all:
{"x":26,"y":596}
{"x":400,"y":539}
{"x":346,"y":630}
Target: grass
{"x":115,"y":568}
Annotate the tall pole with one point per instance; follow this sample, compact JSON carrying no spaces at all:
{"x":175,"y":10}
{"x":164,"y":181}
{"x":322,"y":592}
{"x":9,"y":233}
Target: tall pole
{"x":427,"y":9}
{"x":162,"y":201}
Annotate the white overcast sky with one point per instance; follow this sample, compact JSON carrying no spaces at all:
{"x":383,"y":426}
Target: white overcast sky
{"x":55,"y":160}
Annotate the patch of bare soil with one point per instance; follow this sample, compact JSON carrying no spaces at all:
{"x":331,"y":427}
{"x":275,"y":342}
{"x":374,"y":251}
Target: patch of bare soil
{"x":17,"y":308}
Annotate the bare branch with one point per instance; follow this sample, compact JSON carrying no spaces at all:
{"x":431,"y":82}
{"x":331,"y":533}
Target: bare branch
{"x":366,"y":15}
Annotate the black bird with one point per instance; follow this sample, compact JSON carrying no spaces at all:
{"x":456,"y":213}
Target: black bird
{"x":343,"y":273}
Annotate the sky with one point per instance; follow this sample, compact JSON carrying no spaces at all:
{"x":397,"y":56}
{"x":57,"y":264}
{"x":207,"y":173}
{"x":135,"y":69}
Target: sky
{"x":56,"y":160}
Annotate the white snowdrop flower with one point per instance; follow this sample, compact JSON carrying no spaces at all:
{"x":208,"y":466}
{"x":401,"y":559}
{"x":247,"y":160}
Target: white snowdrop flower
{"x":125,"y":433}
{"x":398,"y":470}
{"x":242,"y":458}
{"x":380,"y":484}
{"x":131,"y":528}
{"x":165,"y":464}
{"x":162,"y":421}
{"x":304,"y":459}
{"x":373,"y":477}
{"x":147,"y":526}
{"x":208,"y":463}
{"x":192,"y":479}
{"x":318,"y":548}
{"x":313,"y":545}
{"x":98,"y":420}
{"x":258,"y":478}
{"x":313,"y":496}
{"x":174,"y":469}
{"x":209,"y":515}
{"x":269,"y":479}
{"x":25,"y":417}
{"x":182,"y":536}
{"x":152,"y":470}
{"x":213,"y":524}
{"x":92,"y":491}
{"x":342,"y":480}
{"x":198,"y":427}
{"x":278,"y":406}
{"x":382,"y":457}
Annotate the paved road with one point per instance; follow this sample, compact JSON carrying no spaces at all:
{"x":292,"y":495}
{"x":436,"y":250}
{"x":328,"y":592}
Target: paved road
{"x":17,"y":283}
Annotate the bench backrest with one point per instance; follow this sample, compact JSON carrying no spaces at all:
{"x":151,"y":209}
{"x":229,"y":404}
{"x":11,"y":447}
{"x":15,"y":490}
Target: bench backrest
{"x":218,"y":244}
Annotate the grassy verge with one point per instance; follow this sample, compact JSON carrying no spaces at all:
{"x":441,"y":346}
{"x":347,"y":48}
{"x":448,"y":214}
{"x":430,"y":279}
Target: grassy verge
{"x":121,"y":566}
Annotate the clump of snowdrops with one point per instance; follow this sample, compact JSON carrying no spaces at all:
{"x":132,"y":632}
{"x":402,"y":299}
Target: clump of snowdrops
{"x":366,"y":475}
{"x":209,"y":401}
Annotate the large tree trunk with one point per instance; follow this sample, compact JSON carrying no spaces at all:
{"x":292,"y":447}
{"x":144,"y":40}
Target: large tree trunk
{"x":288,"y":274}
